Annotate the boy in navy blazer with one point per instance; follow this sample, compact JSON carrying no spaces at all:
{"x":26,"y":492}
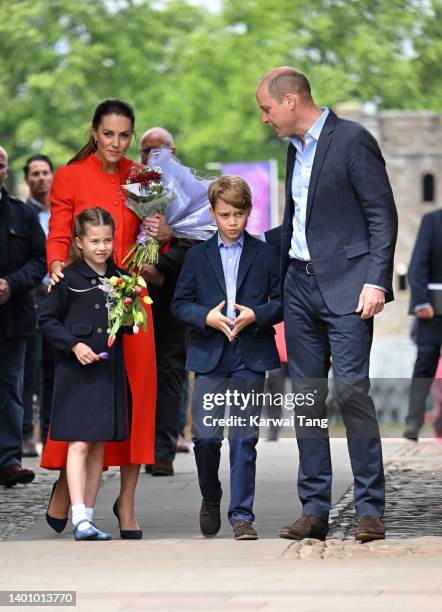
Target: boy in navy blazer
{"x":228,"y":294}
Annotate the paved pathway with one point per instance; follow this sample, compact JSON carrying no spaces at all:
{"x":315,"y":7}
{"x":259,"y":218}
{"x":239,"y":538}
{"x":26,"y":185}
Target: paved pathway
{"x":173,"y":567}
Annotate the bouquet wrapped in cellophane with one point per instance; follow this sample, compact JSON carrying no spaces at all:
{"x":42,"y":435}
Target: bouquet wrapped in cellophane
{"x":174,"y":191}
{"x":123,"y":303}
{"x":147,"y":194}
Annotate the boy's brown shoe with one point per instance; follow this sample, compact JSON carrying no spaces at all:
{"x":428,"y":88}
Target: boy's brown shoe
{"x":307,"y":526}
{"x":210,"y":518}
{"x":244,"y":530}
{"x":370,"y":528}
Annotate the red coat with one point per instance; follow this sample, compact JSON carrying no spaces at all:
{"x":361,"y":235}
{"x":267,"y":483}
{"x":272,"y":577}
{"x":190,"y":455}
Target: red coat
{"x":82,"y":185}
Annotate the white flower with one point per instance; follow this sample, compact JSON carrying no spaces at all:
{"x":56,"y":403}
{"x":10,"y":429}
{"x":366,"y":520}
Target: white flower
{"x":135,"y":329}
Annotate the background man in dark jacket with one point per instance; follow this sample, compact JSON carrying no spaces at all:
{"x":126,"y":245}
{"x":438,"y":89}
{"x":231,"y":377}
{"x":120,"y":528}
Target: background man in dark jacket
{"x":425,"y":269}
{"x":22,"y":267}
{"x":170,"y":334}
{"x":40,"y":356}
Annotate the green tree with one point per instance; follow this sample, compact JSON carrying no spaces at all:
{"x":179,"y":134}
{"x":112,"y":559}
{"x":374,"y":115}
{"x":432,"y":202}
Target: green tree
{"x":195,"y":72}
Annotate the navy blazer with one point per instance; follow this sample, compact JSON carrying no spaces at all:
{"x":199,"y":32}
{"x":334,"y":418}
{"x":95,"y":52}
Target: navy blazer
{"x":351,"y":220}
{"x":426,"y":267}
{"x":201,"y":287}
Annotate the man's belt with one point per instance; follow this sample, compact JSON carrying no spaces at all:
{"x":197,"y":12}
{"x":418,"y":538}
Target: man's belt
{"x":303,"y":266}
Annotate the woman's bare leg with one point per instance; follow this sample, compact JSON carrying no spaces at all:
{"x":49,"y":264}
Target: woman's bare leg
{"x":60,"y":502}
{"x":126,"y":500}
{"x":94,"y":470}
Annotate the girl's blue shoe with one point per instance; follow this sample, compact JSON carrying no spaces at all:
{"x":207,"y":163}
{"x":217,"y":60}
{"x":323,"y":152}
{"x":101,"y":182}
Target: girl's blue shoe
{"x":90,"y":533}
{"x":101,"y":535}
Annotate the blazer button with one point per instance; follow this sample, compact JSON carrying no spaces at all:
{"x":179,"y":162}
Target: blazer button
{"x":94,"y":281}
{"x":116,"y":203}
{"x":97,"y":306}
{"x":99,"y":330}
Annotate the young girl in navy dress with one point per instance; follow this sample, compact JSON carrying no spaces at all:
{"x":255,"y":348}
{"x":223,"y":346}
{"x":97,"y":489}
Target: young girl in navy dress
{"x":89,"y":404}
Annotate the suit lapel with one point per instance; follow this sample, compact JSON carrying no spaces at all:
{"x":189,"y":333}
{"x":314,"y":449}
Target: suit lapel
{"x":214,"y":257}
{"x":291,"y":158}
{"x":247,"y":256}
{"x":324,"y":141}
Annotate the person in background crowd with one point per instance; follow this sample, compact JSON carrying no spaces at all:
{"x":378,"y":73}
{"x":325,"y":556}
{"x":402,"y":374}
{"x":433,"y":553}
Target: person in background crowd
{"x":22,"y":267}
{"x":170,"y":334}
{"x":425,"y":268}
{"x":276,"y":379}
{"x":39,"y":359}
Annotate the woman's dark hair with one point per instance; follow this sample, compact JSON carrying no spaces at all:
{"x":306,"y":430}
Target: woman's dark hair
{"x":89,"y":216}
{"x":110,"y":106}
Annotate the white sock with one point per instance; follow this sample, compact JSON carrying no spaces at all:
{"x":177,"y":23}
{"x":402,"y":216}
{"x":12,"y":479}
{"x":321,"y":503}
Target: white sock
{"x":79,"y":514}
{"x":90,"y":514}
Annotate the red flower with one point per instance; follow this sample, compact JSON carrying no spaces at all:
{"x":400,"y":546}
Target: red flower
{"x":111,"y":341}
{"x":127,"y":301}
{"x":143,"y":176}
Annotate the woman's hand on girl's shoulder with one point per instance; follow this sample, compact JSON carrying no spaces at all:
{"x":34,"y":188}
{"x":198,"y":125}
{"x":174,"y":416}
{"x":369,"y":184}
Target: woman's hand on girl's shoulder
{"x":57,"y":268}
{"x":84,"y":353}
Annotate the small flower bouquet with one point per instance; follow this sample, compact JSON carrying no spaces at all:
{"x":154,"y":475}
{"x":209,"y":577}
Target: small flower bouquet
{"x":123,"y":302}
{"x":148,"y":194}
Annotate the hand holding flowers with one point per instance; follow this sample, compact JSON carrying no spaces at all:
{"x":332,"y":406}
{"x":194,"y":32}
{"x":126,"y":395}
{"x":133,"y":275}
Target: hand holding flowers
{"x":149,"y":198}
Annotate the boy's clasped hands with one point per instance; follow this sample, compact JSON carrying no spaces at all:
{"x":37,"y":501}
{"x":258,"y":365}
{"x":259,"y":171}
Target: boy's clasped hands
{"x":229,"y":328}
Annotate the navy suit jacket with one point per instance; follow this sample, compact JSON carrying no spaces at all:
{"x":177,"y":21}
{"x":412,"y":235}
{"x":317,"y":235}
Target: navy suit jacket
{"x":351,"y":220}
{"x":426,"y":267}
{"x":201,"y":287}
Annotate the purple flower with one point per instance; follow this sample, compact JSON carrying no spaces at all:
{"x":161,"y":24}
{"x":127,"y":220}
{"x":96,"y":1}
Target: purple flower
{"x":104,"y":355}
{"x":141,"y":238}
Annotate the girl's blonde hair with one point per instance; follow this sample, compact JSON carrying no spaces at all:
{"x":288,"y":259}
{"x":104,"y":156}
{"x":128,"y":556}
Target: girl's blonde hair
{"x":89,"y":216}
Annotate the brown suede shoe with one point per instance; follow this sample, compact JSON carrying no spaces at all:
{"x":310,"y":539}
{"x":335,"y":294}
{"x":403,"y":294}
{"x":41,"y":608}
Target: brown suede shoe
{"x":210,"y":518}
{"x":244,"y":530}
{"x":15,"y":474}
{"x":308,"y":526}
{"x":162,"y":467}
{"x":370,"y":528}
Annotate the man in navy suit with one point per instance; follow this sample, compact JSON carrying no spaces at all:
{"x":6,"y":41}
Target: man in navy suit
{"x":338,"y":238}
{"x":228,"y":294}
{"x":425,"y":269}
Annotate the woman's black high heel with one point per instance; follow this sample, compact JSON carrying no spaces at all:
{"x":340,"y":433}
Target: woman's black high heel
{"x":57,"y":524}
{"x":127,"y":534}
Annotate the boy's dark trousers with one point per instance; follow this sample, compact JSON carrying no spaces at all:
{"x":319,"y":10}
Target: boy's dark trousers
{"x":231,"y":373}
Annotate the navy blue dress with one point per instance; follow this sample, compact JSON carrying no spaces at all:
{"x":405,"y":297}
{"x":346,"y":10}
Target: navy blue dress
{"x":90,"y":401}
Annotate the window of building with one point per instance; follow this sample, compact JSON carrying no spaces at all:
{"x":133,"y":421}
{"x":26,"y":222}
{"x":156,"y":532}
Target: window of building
{"x":428,"y":188}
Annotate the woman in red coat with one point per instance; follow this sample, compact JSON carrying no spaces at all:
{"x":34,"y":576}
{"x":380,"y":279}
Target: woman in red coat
{"x":94,"y":178}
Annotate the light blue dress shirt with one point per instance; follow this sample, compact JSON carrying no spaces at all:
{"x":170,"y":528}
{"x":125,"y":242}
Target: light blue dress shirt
{"x":300,"y":183}
{"x":230,"y":256}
